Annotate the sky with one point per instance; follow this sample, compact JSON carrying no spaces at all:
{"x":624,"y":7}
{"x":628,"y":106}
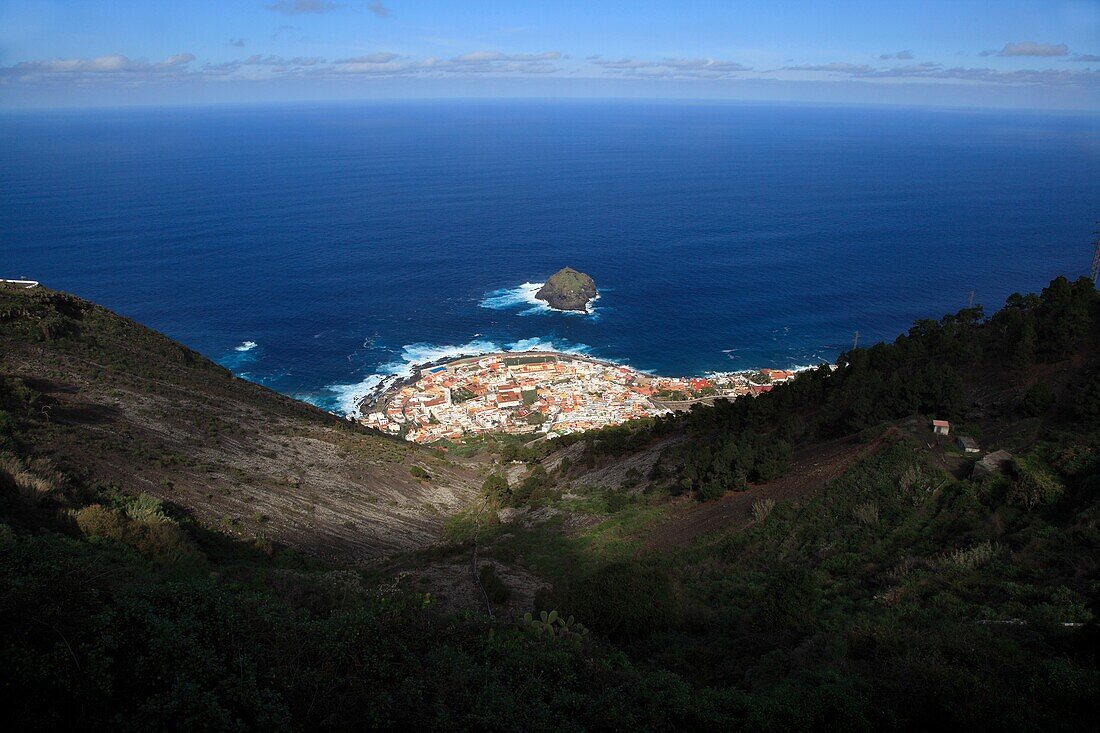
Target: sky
{"x":1037,"y":54}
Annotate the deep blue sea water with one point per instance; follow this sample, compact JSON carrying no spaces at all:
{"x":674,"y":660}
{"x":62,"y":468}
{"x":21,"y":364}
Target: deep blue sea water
{"x":345,"y":241}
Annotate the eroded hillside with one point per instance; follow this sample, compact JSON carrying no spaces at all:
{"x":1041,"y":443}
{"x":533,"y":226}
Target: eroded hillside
{"x":119,"y":404}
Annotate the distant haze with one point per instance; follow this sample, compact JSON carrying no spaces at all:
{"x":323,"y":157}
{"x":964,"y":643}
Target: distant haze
{"x":1041,"y":54}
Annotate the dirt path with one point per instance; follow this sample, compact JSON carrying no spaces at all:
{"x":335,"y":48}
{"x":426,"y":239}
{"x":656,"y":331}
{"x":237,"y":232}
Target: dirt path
{"x":811,"y":469}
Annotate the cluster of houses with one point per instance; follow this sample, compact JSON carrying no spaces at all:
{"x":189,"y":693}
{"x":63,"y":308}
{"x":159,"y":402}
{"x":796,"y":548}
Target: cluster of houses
{"x":992,"y":463}
{"x":542,"y":393}
{"x":552,"y":394}
{"x":728,"y":385}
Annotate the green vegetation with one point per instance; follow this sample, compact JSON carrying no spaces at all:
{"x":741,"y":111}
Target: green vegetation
{"x":460,"y":394}
{"x":909,"y":599}
{"x":535,"y":359}
{"x":495,"y":588}
{"x":900,"y":596}
{"x":567,"y":289}
{"x":925,"y":372}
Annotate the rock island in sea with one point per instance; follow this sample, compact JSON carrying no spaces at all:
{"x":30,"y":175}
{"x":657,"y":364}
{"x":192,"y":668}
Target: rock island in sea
{"x":568,"y":290}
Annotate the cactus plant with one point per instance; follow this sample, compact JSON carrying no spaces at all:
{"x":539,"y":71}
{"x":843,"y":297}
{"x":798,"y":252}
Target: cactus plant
{"x":554,"y":625}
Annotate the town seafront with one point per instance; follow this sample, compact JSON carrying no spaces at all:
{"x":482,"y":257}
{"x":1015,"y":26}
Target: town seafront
{"x":542,"y":394}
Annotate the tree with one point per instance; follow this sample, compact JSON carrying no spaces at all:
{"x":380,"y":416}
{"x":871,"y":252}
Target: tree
{"x":1087,"y":402}
{"x":496,"y":486}
{"x":1023,"y":351}
{"x":1036,"y":400}
{"x":1064,"y":316}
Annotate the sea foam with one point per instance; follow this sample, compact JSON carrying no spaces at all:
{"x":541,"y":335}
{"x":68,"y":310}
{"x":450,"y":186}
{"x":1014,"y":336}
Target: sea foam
{"x":238,"y":357}
{"x":345,"y":399}
{"x":522,"y":298}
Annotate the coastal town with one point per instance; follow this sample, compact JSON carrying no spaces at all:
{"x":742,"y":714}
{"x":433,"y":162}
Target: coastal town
{"x":542,"y":394}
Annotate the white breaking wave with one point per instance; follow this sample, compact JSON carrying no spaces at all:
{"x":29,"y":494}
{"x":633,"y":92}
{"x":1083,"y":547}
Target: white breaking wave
{"x":348,"y":397}
{"x":246,"y":346}
{"x":538,"y":344}
{"x":424,"y":353}
{"x":506,"y":298}
{"x":523,"y":296}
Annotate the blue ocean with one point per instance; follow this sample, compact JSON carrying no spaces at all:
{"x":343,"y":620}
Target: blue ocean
{"x":315,"y":249}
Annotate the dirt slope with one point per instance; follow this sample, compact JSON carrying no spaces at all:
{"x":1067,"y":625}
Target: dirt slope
{"x":121,"y":404}
{"x":812,"y":468}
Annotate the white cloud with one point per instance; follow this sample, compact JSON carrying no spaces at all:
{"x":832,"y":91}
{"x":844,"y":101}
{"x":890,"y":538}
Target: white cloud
{"x":836,"y":67}
{"x":111,"y":65}
{"x":477,"y":57}
{"x":120,"y":69}
{"x":1030,"y":48}
{"x":299,"y":7}
{"x":937,"y":72}
{"x":370,"y":58}
{"x":475,"y":62}
{"x":706,"y":68}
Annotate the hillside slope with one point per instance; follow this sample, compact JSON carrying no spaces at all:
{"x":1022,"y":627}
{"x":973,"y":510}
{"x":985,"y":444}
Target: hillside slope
{"x":810,"y":559}
{"x":119,"y":404}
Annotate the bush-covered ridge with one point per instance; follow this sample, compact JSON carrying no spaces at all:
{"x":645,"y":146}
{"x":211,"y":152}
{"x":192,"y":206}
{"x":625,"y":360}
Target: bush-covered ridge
{"x":930,"y":370}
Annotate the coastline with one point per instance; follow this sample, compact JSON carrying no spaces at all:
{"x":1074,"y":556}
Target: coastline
{"x":539,"y":391}
{"x":380,"y":392}
{"x":393,"y":383}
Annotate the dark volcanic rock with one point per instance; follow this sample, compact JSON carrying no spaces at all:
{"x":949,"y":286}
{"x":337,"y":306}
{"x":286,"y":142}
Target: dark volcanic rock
{"x":568,"y":290}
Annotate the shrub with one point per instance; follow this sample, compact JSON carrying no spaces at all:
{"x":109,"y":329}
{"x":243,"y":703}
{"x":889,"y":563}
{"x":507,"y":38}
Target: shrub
{"x":789,"y":597}
{"x":496,"y":590}
{"x":146,"y":508}
{"x":1036,"y":401}
{"x":971,"y":557}
{"x":632,"y":478}
{"x":710,"y":490}
{"x":162,"y":541}
{"x":9,"y":429}
{"x":617,"y":500}
{"x":97,"y":520}
{"x":1087,"y":401}
{"x":32,"y":482}
{"x":531,"y":488}
{"x":8,"y":487}
{"x":761,"y":508}
{"x":772,"y":461}
{"x":420,"y":473}
{"x":496,"y":486}
{"x":866,"y":514}
{"x":625,"y":601}
{"x":159,"y":539}
{"x":1034,"y":484}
